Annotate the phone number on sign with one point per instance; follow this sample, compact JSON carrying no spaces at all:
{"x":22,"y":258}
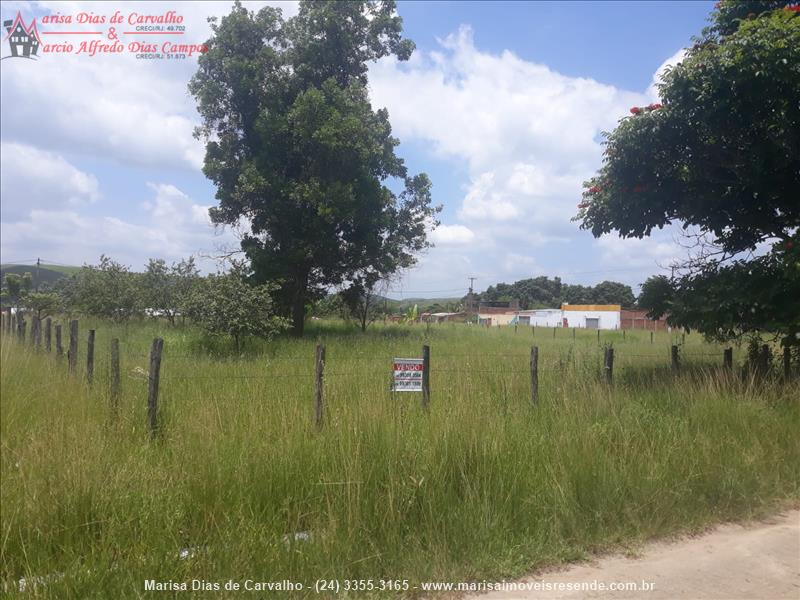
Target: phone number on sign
{"x":361,"y":585}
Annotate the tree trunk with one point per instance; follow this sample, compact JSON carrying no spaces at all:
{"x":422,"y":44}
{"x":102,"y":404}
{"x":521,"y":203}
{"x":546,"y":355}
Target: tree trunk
{"x":298,"y":315}
{"x":299,"y":305}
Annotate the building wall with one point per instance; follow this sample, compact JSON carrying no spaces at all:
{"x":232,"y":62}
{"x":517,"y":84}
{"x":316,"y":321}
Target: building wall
{"x":606,"y":318}
{"x":544,"y":318}
{"x":498,"y":318}
{"x":637,"y":319}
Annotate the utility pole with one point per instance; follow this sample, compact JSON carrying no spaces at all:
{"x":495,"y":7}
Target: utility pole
{"x":38,"y":260}
{"x":470,"y":298}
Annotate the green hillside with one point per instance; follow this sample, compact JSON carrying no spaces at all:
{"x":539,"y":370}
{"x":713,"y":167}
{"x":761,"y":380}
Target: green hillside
{"x":47,"y":274}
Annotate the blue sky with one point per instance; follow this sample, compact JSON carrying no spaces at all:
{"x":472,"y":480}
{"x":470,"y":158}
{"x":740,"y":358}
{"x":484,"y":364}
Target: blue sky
{"x":502,"y":105}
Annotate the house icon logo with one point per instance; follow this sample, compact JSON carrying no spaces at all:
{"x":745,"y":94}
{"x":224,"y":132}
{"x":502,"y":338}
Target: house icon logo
{"x":23,"y":40}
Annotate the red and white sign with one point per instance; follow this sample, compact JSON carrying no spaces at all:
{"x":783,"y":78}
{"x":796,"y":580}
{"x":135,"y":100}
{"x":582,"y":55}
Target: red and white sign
{"x":407,"y":375}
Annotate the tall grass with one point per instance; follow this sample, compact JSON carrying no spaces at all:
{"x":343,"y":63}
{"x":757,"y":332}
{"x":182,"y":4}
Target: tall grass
{"x":482,"y":485}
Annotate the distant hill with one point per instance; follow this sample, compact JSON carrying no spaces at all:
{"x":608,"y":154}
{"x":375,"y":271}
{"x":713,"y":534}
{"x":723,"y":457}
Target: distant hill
{"x":48,"y":274}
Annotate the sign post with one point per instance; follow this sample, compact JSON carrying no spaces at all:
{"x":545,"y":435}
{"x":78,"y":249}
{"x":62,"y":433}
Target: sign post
{"x":407,"y":375}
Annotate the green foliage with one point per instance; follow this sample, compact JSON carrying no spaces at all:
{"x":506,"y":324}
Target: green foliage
{"x":543,"y":292}
{"x":43,"y":304}
{"x":166,"y":289}
{"x":108,"y":290}
{"x":294,"y":146}
{"x":226,"y":304}
{"x":656,"y":296}
{"x":722,"y":155}
{"x":17,"y":286}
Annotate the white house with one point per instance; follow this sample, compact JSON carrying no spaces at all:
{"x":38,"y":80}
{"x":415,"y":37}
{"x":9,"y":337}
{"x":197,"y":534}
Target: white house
{"x":544,"y":317}
{"x":591,"y":316}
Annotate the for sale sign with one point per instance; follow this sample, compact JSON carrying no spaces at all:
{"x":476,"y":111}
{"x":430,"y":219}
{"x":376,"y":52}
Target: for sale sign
{"x":407,"y":375}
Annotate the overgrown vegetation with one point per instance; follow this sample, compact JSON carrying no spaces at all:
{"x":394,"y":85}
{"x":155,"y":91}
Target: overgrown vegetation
{"x":240,"y":485}
{"x":721,"y":156}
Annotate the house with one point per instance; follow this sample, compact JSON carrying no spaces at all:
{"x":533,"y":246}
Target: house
{"x":591,"y":316}
{"x":543,"y":317}
{"x":24,"y":41}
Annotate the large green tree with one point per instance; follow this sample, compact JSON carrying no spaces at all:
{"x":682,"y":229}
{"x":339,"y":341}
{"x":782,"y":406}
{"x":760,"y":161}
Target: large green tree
{"x":296,"y":150}
{"x":721,"y":155}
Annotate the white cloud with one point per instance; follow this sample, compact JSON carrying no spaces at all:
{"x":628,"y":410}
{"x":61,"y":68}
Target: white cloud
{"x":170,"y":226}
{"x":31,"y":179}
{"x":528,"y":137}
{"x":452,"y":234}
{"x":111,"y":106}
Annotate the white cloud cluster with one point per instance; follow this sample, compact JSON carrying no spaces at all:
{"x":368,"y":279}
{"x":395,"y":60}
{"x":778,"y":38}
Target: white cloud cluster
{"x":525,"y":135}
{"x":110,"y":107}
{"x":168,"y":225}
{"x":33,"y":179}
{"x":134,"y":111}
{"x":528,"y":136}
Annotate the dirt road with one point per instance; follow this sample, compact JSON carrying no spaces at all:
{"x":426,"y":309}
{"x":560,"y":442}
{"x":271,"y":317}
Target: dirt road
{"x":755,"y":561}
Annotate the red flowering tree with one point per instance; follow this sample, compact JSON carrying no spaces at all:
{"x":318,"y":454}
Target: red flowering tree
{"x":722,"y":155}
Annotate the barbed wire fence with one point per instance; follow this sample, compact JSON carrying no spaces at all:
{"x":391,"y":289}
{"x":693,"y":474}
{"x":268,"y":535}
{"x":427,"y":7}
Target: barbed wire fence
{"x":42,"y":334}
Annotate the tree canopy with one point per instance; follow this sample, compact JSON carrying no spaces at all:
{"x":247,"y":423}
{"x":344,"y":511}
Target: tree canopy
{"x":543,"y":292}
{"x":719,"y":154}
{"x":297,"y":152}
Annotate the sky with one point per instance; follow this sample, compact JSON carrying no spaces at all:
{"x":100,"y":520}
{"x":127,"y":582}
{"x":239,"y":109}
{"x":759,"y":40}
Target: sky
{"x":502,"y":104}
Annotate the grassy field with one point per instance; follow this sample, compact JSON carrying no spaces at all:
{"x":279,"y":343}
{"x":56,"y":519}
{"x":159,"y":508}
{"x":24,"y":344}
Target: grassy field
{"x":240,"y":485}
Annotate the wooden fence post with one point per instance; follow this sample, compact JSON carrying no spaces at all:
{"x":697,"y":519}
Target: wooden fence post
{"x":319,"y":374}
{"x":598,"y":337}
{"x":72,"y":353}
{"x":727,"y":360}
{"x":48,"y":330}
{"x":651,"y":337}
{"x":13,"y":323}
{"x":114,"y":373}
{"x":674,"y":354}
{"x":90,"y":357}
{"x":36,"y":332}
{"x":554,"y":333}
{"x":534,"y":375}
{"x":515,"y":328}
{"x":609,"y":365}
{"x":152,"y":387}
{"x":20,"y":323}
{"x":426,"y":376}
{"x":787,"y":363}
{"x":623,"y":335}
{"x":573,"y":334}
{"x":763,"y":360}
{"x":22,"y":334}
{"x":533,"y":331}
{"x":59,"y":347}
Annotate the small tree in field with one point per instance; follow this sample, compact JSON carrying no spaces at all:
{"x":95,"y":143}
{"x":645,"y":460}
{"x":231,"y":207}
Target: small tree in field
{"x":17,"y":287}
{"x":165,"y":289}
{"x":226,"y":304}
{"x":107,"y":290}
{"x":363,"y":301}
{"x":42,"y":304}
